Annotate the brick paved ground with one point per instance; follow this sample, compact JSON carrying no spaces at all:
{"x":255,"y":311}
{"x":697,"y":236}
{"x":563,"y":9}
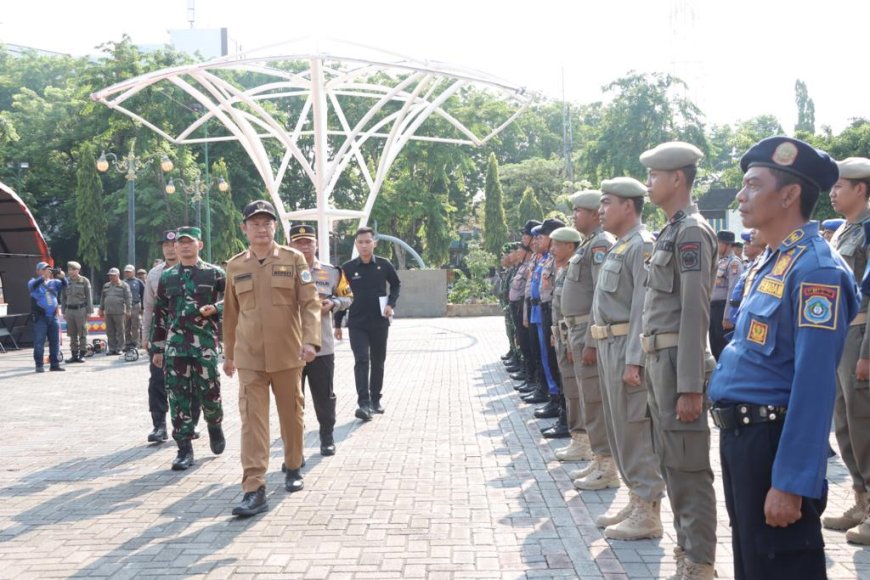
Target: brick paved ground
{"x":453,"y":481}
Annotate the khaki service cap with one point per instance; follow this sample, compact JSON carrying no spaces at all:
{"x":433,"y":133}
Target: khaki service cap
{"x":854,"y":168}
{"x":586,"y":199}
{"x":671,"y":156}
{"x":566,"y":234}
{"x":627,"y":187}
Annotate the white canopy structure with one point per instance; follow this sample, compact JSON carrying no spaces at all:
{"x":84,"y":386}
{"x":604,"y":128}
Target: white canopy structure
{"x":408,"y":92}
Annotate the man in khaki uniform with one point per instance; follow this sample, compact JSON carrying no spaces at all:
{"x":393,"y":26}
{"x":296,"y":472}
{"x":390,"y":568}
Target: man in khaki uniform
{"x":852,"y":406}
{"x":115,"y":304}
{"x":617,"y":308}
{"x":563,"y":243}
{"x":577,"y":293}
{"x":271,"y":330}
{"x":133,"y":331}
{"x":78,"y":304}
{"x":678,"y":359}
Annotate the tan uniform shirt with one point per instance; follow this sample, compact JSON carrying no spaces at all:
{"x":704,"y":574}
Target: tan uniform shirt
{"x":77,"y":294}
{"x":583,"y":268}
{"x":621,"y":287}
{"x":270,"y":310}
{"x":849,"y":241}
{"x":681,"y":273}
{"x":116,"y":298}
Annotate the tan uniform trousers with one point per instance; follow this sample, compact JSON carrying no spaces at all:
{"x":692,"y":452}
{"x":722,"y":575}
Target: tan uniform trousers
{"x":628,"y":425}
{"x":77,"y":329}
{"x":254,"y":413}
{"x":586,"y":377}
{"x":852,"y":413}
{"x":115,"y":325}
{"x":133,"y":330}
{"x":684,"y":450}
{"x":570,"y":387}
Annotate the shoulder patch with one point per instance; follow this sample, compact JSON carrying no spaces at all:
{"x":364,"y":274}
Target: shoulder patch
{"x":598,"y":254}
{"x":818,"y":306}
{"x":305,"y":276}
{"x":689,"y":256}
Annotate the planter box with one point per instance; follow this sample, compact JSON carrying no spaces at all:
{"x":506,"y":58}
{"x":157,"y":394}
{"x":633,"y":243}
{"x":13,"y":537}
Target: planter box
{"x":463,"y":310}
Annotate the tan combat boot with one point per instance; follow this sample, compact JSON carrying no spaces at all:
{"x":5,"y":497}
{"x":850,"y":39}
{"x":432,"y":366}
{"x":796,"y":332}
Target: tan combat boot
{"x":645,"y":521}
{"x":860,"y":534}
{"x":693,"y":571}
{"x":851,"y":517}
{"x":602,"y":477}
{"x":680,"y":557}
{"x":584,"y":471}
{"x":578,"y":450}
{"x":609,"y":520}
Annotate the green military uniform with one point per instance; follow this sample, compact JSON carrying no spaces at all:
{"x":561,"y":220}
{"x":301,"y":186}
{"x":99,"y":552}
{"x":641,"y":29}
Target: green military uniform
{"x":852,"y":406}
{"x":78,"y":304}
{"x":115,"y":303}
{"x":189,"y":342}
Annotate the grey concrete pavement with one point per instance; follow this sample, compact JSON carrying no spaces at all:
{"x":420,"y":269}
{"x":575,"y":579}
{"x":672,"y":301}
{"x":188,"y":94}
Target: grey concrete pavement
{"x":454,"y":481}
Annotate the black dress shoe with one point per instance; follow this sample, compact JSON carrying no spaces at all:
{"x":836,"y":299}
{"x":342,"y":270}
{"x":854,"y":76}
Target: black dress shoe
{"x":252,"y":504}
{"x":158,"y":435}
{"x":184,"y":459}
{"x":327,"y":445}
{"x":284,"y":466}
{"x":363,"y":414}
{"x":550,"y":410}
{"x":527,"y":388}
{"x":513,"y":368}
{"x":536,"y":398}
{"x":557,"y":431}
{"x":293,"y":480}
{"x":519,"y":375}
{"x":378,"y":408}
{"x":507,"y":356}
{"x":72,"y":359}
{"x":216,"y":439}
{"x":57,"y":369}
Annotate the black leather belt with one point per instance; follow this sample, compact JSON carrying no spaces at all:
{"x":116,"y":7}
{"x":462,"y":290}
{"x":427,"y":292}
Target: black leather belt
{"x":535,"y":301}
{"x":76,"y":307}
{"x":745,"y":414}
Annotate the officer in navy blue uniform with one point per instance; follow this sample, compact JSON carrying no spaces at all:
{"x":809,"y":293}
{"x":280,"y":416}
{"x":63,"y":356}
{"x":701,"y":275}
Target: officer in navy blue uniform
{"x":773,"y":388}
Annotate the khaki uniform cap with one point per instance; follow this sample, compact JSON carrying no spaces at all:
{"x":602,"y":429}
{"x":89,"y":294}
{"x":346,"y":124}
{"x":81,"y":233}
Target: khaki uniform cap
{"x":854,"y":168}
{"x":587,"y":199}
{"x":73,"y":265}
{"x":623,"y":187}
{"x":671,"y":156}
{"x":566,"y":234}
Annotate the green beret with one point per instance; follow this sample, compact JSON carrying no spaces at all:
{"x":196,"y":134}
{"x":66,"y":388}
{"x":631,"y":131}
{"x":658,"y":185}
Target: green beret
{"x":854,"y":168}
{"x":566,"y":234}
{"x":586,"y":199}
{"x":671,"y":156}
{"x":623,"y":187}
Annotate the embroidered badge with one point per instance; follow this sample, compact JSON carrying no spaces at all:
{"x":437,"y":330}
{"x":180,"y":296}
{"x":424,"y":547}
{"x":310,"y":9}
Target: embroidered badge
{"x":785,"y":154}
{"x":690,"y":256}
{"x":735,"y":267}
{"x":757,"y":332}
{"x":170,"y":236}
{"x":620,"y":249}
{"x":771,"y":287}
{"x":305,"y":276}
{"x":666,"y":245}
{"x":818,"y":306}
{"x":794,"y":237}
{"x":598,"y":254}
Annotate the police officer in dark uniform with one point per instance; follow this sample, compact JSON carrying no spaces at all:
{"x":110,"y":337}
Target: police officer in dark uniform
{"x":774,"y":386}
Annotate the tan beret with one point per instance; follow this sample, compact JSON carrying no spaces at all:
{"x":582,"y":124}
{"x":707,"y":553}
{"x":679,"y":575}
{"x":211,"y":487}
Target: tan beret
{"x":854,"y":168}
{"x":73,"y":265}
{"x":587,"y":199}
{"x":670,"y":156}
{"x":623,"y":187}
{"x":566,"y":234}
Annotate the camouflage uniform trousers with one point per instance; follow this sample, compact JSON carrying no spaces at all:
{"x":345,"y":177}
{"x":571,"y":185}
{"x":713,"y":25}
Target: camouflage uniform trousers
{"x":189,"y":379}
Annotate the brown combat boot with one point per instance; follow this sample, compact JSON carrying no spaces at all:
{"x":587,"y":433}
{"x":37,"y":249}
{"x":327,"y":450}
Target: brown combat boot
{"x":851,"y":517}
{"x":645,"y":521}
{"x":578,"y":450}
{"x":602,"y":477}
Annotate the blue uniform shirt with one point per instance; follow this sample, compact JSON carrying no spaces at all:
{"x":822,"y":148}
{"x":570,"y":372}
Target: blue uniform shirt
{"x":786,"y":346}
{"x":45,"y":293}
{"x":537,"y":274}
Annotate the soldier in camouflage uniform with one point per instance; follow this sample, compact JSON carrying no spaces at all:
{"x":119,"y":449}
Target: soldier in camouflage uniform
{"x":185,"y":329}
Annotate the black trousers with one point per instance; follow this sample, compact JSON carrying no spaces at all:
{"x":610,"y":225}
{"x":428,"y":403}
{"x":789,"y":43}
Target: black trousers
{"x":547,"y":324}
{"x":369,"y":346}
{"x":319,"y":373}
{"x":535,"y":362}
{"x":717,"y":333}
{"x":522,"y":336}
{"x":158,"y":403}
{"x":762,"y":552}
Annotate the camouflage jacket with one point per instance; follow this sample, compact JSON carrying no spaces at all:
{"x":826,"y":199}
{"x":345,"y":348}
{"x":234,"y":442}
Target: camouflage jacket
{"x":178,"y":329}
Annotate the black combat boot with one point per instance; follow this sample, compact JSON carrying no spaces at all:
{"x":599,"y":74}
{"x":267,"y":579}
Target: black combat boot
{"x":184,"y":459}
{"x":550,"y":410}
{"x":158,"y":435}
{"x":74,"y":357}
{"x":539,"y":395}
{"x":293,"y":480}
{"x":559,"y":430}
{"x":252,"y":504}
{"x":216,"y":439}
{"x":327,"y":444}
{"x":80,"y":357}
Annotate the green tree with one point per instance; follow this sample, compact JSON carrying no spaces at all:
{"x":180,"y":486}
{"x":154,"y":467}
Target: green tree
{"x":90,"y":214}
{"x":529,"y":207}
{"x":806,"y":108}
{"x":495,"y":231}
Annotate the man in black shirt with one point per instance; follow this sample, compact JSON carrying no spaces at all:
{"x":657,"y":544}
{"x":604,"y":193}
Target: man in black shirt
{"x":368,"y":322}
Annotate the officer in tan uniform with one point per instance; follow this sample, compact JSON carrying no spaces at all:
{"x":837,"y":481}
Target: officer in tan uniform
{"x":678,"y":360}
{"x":271,"y":330}
{"x":852,"y":407}
{"x":78,"y":304}
{"x":563,"y":243}
{"x":115,"y":304}
{"x":617,"y":309}
{"x":576,"y":307}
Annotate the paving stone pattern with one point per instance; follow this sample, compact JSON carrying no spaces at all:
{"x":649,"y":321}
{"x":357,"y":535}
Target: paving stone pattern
{"x":454,"y":481}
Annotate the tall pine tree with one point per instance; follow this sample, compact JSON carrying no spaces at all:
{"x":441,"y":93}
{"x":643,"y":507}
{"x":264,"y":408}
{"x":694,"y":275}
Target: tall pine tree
{"x":530,"y":208}
{"x":90,"y":213}
{"x":495,"y":230}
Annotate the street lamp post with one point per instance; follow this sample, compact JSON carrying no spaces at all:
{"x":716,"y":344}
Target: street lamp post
{"x":130,"y":165}
{"x":196,"y":190}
